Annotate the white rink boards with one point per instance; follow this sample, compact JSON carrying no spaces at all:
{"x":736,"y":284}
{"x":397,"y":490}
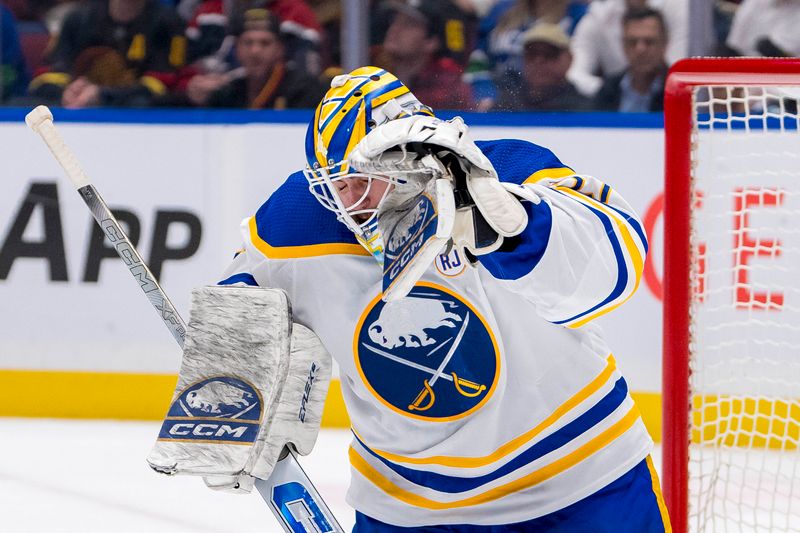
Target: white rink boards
{"x":219,"y":174}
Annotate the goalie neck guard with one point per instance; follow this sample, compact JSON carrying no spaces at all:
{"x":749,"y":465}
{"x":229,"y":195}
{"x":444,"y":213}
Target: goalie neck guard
{"x":354,"y":105}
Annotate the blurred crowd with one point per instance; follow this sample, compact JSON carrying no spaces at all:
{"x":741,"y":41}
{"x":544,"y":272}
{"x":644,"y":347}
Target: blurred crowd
{"x":479,"y":55}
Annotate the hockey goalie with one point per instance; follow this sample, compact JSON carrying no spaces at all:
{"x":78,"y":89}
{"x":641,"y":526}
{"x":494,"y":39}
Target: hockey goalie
{"x":456,"y":284}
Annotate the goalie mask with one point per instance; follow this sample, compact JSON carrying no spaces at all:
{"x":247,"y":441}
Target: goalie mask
{"x":355,"y":104}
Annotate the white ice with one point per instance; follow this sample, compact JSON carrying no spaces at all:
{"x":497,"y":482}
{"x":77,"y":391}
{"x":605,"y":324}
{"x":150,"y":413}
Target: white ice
{"x":68,"y":476}
{"x":76,"y":476}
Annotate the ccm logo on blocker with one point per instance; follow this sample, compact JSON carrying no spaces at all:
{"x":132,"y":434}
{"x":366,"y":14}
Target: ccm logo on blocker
{"x":222,"y":409}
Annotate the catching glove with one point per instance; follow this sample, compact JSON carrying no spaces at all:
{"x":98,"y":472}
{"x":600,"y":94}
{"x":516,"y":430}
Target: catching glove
{"x":479,"y":211}
{"x":483,"y":205}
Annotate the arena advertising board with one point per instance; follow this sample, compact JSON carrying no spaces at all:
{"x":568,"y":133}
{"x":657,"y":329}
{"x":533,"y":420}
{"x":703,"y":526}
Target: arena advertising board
{"x":181,"y":190}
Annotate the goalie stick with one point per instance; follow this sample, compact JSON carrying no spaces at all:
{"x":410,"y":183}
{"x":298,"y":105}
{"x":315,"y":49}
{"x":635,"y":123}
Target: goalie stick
{"x":291,"y":496}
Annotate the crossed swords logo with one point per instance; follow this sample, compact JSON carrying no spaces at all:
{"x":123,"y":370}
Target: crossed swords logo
{"x":427,"y":397}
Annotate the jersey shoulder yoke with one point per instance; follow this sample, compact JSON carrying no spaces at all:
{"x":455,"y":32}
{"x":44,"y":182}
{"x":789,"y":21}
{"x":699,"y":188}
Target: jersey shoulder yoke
{"x":518,"y":161}
{"x":292,"y":224}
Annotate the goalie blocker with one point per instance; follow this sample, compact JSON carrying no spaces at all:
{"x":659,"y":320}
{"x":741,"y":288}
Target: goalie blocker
{"x":251,"y":382}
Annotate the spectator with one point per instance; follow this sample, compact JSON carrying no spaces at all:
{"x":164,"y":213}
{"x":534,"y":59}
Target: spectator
{"x":766,"y":28}
{"x":455,"y":25}
{"x":208,"y":27}
{"x":209,"y":39}
{"x":640,"y":87}
{"x":597,"y":42}
{"x":114,"y":53}
{"x":13,"y":74}
{"x":544,"y":87}
{"x":414,"y":50}
{"x":38,"y":25}
{"x":265,"y":80}
{"x":302,"y":33}
{"x":497,"y":58}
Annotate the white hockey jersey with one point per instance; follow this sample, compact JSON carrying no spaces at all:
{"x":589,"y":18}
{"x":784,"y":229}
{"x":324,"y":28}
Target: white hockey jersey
{"x":488,"y":395}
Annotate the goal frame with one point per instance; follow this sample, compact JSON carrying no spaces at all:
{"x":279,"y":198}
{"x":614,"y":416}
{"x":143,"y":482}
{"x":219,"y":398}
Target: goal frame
{"x":683,"y":77}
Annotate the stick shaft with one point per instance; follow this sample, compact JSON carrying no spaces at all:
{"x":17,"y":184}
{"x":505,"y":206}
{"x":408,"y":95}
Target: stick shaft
{"x":134,"y":262}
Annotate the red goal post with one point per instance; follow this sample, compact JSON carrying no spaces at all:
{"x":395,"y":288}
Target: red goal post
{"x":706,"y":98}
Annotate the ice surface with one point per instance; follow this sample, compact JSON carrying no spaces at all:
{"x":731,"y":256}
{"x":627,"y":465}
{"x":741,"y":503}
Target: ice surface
{"x":68,"y":476}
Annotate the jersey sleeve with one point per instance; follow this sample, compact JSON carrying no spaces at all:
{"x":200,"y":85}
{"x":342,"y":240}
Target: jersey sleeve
{"x":245,"y":264}
{"x":581,"y":255}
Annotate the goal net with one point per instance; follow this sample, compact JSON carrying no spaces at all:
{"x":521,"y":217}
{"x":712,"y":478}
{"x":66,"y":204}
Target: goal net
{"x":732,"y":295}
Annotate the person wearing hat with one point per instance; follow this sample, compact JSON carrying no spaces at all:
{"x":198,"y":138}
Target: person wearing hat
{"x":497,"y":58}
{"x":543,"y":85}
{"x":209,"y":30}
{"x":415,"y":49}
{"x":115,"y":53}
{"x":264,"y":80}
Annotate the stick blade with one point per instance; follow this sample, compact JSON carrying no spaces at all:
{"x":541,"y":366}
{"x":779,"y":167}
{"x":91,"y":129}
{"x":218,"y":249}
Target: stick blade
{"x":37,"y":117}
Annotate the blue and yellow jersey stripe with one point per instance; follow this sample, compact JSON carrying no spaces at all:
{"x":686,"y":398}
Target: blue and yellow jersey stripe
{"x":407,"y":493}
{"x":544,"y":446}
{"x":549,"y":173}
{"x":629,"y":255}
{"x":521,"y":162}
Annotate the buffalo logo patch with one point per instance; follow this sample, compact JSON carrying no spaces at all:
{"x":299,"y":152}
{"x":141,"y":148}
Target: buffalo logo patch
{"x":222,"y":409}
{"x":429,"y":355}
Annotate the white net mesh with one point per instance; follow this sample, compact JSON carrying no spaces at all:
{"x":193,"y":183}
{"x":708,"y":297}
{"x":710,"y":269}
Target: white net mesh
{"x":745,"y":316}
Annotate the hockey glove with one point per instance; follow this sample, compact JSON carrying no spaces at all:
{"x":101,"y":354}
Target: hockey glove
{"x":485,"y":211}
{"x":415,"y":229}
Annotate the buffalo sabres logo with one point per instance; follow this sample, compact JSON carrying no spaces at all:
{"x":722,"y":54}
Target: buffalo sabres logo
{"x":429,"y":355}
{"x":222,"y":409}
{"x":221,"y":397}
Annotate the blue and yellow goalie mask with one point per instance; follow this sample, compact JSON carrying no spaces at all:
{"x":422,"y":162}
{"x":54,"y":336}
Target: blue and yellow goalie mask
{"x":355,"y":104}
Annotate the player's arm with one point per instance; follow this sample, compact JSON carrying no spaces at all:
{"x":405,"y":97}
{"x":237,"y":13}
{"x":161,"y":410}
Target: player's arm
{"x":522,"y":235}
{"x":581,"y":254}
{"x":569,"y":244}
